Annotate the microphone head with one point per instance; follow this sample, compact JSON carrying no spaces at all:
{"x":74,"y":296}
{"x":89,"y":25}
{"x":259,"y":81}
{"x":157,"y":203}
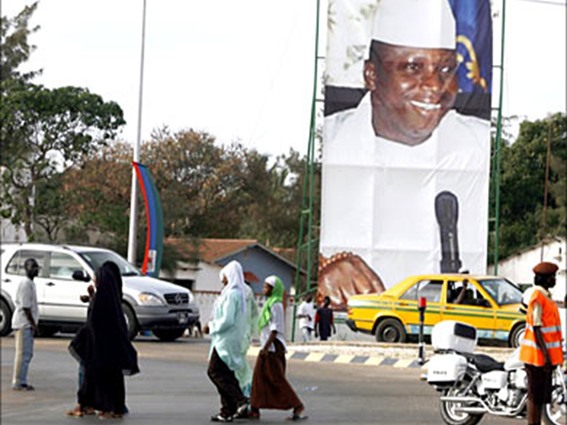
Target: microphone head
{"x":446,"y":208}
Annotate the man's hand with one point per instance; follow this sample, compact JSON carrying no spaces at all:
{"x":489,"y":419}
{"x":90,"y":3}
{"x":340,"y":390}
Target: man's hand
{"x":343,"y":275}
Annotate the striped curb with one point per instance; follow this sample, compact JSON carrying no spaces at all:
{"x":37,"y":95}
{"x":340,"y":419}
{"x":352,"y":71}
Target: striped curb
{"x":321,"y":357}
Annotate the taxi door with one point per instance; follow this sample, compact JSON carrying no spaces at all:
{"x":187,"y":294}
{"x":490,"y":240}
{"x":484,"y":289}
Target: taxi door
{"x":406,"y":306}
{"x":475,"y":309}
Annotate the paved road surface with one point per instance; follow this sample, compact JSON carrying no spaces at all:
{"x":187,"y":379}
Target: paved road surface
{"x":173,"y":389}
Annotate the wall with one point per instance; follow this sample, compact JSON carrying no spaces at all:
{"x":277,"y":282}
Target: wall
{"x":263,"y":264}
{"x":519,"y":267}
{"x":10,"y":232}
{"x":206,"y":299}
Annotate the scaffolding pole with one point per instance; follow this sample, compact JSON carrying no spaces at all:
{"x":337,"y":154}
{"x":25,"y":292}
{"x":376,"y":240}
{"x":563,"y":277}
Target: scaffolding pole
{"x":498,"y":142}
{"x":305,"y":243}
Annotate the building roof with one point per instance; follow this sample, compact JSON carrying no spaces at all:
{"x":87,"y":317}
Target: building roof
{"x":215,"y":250}
{"x":544,"y":242}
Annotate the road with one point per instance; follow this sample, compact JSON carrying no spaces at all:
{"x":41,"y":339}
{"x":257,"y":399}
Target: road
{"x":173,"y":389}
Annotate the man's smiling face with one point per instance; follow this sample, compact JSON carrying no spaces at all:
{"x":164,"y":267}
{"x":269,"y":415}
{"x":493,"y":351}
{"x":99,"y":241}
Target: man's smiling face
{"x":411,"y":90}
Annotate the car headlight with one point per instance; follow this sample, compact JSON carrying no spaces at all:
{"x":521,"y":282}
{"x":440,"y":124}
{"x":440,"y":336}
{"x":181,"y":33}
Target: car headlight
{"x":146,"y":298}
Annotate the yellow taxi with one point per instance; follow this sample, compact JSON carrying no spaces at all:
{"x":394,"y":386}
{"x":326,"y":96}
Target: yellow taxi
{"x":489,"y":303}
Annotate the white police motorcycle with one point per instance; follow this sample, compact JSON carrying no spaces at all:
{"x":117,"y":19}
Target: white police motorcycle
{"x":473,"y":385}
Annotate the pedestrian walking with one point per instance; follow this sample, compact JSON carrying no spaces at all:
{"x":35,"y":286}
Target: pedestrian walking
{"x":306,"y":316}
{"x":270,"y":388}
{"x":540,"y":349}
{"x":244,"y":374}
{"x":104,"y":348}
{"x":228,"y":331}
{"x":24,"y":322}
{"x":324,"y":321}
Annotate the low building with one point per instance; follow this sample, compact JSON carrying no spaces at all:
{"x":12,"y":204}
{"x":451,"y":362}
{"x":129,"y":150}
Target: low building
{"x":204,"y":260}
{"x":518,"y":267}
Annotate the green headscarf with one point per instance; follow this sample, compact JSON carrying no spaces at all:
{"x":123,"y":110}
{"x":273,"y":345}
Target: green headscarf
{"x":276,"y":296}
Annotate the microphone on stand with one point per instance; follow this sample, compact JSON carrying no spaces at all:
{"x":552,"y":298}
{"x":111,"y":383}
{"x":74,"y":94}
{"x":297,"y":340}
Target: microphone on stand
{"x":447,"y":213}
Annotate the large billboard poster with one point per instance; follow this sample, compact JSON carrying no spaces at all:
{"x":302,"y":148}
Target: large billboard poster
{"x":406,"y":144}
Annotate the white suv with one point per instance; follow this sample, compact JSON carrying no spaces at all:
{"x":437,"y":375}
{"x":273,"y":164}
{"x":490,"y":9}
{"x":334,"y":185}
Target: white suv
{"x":65,"y":272}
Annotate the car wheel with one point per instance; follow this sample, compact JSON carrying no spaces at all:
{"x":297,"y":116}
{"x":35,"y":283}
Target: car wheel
{"x":131,"y":321}
{"x":390,"y":330}
{"x":5,"y":318}
{"x":169,"y":334}
{"x":517,"y":335}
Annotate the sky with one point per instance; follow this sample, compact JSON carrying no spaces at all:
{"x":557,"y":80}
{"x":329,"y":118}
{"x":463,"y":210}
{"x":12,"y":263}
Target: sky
{"x":244,"y":71}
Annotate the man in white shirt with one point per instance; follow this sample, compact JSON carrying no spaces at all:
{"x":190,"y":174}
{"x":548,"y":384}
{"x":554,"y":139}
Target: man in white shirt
{"x":386,"y":162}
{"x":24,"y":322}
{"x":306,"y":314}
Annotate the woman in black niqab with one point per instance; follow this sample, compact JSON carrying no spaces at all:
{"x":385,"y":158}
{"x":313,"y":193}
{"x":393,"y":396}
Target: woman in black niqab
{"x":103,"y":346}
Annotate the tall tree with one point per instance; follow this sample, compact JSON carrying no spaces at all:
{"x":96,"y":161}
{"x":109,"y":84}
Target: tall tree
{"x":15,"y":48}
{"x":97,"y":195}
{"x":523,"y":182}
{"x":43,"y":131}
{"x":199,"y":182}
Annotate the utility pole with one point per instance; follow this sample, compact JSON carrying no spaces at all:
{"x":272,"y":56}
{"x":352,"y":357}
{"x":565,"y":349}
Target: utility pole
{"x":133,"y":229}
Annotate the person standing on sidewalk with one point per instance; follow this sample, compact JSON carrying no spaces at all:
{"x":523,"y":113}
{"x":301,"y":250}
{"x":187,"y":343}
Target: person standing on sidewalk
{"x":103,"y":347}
{"x":270,"y":388}
{"x":24,"y":322}
{"x":228,"y":331}
{"x":324,"y":321}
{"x":540,"y":349}
{"x":306,"y":316}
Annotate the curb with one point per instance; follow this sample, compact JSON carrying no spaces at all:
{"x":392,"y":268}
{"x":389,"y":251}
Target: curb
{"x":366,"y":360}
{"x":374,"y":354}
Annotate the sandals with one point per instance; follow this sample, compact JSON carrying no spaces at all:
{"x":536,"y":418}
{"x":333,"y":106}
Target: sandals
{"x":253,"y":414}
{"x":297,"y":417}
{"x":89,"y":411}
{"x":76,"y":412}
{"x":79,"y":412}
{"x":109,"y":415}
{"x":297,"y":414}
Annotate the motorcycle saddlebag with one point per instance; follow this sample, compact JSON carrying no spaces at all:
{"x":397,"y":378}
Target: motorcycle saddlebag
{"x":445,"y":369}
{"x":450,"y":335}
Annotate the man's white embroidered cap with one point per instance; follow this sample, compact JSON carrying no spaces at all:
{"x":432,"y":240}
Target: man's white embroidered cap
{"x":426,"y":24}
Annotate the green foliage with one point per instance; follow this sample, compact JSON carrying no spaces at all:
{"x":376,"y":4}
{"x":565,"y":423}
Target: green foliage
{"x":523,"y":219}
{"x":43,"y":131}
{"x":224,"y":191}
{"x":46,"y":131}
{"x":14,"y":46}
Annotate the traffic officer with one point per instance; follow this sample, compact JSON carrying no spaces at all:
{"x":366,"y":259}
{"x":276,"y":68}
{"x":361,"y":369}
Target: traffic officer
{"x":541,"y":347}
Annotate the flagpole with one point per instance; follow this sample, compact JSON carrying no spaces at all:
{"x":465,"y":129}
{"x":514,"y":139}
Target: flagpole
{"x":132,"y":234}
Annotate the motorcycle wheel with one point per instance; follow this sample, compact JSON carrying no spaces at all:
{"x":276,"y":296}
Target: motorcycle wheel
{"x":449,"y":412}
{"x":555,"y":413}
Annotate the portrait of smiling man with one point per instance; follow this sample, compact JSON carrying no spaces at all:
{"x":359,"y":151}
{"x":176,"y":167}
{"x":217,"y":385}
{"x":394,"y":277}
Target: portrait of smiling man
{"x":412,"y":86}
{"x":411,"y":90}
{"x":386,"y":159}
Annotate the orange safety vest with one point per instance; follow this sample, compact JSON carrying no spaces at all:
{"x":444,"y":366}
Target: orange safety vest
{"x":551,"y":330}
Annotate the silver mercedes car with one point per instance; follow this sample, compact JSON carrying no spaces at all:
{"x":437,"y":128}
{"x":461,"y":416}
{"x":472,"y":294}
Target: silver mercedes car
{"x":65,"y":273}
